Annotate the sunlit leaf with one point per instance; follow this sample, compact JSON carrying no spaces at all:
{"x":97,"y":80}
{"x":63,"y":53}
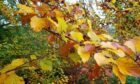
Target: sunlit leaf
{"x":83,"y":54}
{"x":105,"y":37}
{"x":37,"y":24}
{"x":101,"y":59}
{"x":58,"y":13}
{"x":137,"y":43}
{"x":113,"y":1}
{"x":13,"y":79}
{"x":62,"y":25}
{"x":25,"y":9}
{"x":78,"y":36}
{"x":118,"y":52}
{"x":15,"y":63}
{"x":133,"y":44}
{"x":18,"y":62}
{"x":128,"y":67}
{"x":121,"y":76}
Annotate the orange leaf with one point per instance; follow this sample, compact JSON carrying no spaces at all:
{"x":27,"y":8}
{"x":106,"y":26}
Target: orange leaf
{"x":58,"y":13}
{"x":26,"y":18}
{"x":37,"y":24}
{"x":65,"y":49}
{"x":51,"y":38}
{"x":43,"y":9}
{"x":128,"y":67}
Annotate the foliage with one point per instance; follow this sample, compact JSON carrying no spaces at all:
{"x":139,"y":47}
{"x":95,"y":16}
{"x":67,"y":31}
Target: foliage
{"x":75,"y":49}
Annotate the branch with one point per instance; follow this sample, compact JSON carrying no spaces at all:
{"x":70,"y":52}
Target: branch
{"x":60,"y":37}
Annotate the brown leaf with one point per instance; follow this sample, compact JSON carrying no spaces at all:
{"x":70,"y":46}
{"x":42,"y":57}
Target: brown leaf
{"x":51,"y":38}
{"x":43,"y":9}
{"x":65,"y":49}
{"x":26,"y":18}
{"x":95,"y":72}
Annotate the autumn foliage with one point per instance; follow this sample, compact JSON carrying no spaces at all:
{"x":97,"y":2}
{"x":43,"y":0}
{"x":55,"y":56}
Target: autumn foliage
{"x":90,"y":50}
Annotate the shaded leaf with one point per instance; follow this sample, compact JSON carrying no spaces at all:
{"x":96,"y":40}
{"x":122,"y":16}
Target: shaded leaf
{"x":46,"y":64}
{"x":74,"y":57}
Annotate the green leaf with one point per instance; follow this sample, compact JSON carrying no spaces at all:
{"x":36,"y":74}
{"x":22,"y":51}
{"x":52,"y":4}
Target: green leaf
{"x":46,"y":64}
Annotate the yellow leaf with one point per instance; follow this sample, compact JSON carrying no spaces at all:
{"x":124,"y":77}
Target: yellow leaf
{"x":128,"y":67}
{"x":113,"y":1}
{"x":58,"y":13}
{"x":37,"y":24}
{"x":137,"y":43}
{"x":78,"y":36}
{"x":33,"y":57}
{"x":84,"y":55}
{"x":11,"y":78}
{"x":128,"y":9}
{"x":89,"y":24}
{"x":2,"y":78}
{"x":54,"y":24}
{"x":101,"y":59}
{"x":119,"y":74}
{"x":15,"y":63}
{"x":105,"y":37}
{"x":62,"y":25}
{"x":14,"y":79}
{"x":25,"y":9}
{"x":118,"y":52}
{"x":93,"y":37}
